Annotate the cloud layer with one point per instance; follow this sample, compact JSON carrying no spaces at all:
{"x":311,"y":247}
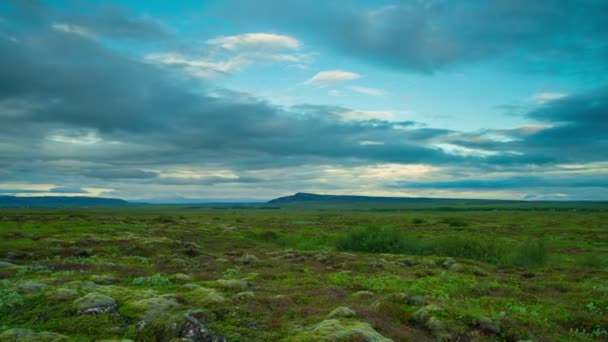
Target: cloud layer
{"x":83,"y":116}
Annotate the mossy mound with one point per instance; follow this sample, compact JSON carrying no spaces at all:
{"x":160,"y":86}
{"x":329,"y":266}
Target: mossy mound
{"x":26,"y":335}
{"x":337,"y":330}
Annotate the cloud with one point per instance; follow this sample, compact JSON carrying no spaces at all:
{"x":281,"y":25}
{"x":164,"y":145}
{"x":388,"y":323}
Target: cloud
{"x":368,"y":91}
{"x":330,"y":77}
{"x":256,"y":41}
{"x":354,"y":115}
{"x":230,"y":54}
{"x":73,"y":29}
{"x":427,"y":36}
{"x":546,"y":97}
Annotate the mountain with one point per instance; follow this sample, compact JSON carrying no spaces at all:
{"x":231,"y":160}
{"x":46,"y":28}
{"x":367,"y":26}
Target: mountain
{"x":302,"y":197}
{"x":59,"y":201}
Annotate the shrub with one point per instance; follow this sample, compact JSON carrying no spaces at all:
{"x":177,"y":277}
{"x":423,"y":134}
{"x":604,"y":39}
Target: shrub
{"x":529,"y":254}
{"x":491,"y":250}
{"x":454,"y":222}
{"x":418,"y":220}
{"x":590,"y":261}
{"x":373,"y":240}
{"x":10,"y":299}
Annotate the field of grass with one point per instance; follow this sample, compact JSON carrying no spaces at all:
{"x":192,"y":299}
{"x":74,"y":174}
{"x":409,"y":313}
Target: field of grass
{"x":310,"y":273}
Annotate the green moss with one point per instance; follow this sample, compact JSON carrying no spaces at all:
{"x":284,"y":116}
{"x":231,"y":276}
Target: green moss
{"x":336,"y":330}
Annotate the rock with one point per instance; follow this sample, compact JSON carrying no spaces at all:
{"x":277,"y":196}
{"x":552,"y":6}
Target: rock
{"x":4,"y":264}
{"x":424,"y":313}
{"x":233,"y":284}
{"x":248,"y":259}
{"x":342,"y":312}
{"x":31,"y":286}
{"x":448,"y":262}
{"x":415,"y":301}
{"x":222,"y":260}
{"x":95,"y":303}
{"x":488,"y":325}
{"x":26,"y":335}
{"x":62,"y":294}
{"x":363,"y":294}
{"x":103,"y":279}
{"x":245,"y":295}
{"x":182,"y":278}
{"x":193,"y":329}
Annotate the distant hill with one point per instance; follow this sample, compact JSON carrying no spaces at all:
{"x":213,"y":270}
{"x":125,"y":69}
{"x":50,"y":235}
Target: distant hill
{"x":58,"y":201}
{"x":302,"y":197}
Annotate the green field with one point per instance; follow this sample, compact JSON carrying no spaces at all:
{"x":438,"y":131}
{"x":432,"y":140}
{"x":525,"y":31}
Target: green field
{"x":488,"y":272}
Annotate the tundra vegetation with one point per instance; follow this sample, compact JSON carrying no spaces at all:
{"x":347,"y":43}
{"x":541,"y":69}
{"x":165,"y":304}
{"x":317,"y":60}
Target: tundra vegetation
{"x":305,"y":273}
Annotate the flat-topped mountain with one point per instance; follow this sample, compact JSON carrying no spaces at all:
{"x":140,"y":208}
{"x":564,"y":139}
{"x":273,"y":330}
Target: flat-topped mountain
{"x":302,"y":197}
{"x":59,"y":201}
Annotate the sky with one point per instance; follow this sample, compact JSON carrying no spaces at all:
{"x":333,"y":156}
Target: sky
{"x":179,"y":101}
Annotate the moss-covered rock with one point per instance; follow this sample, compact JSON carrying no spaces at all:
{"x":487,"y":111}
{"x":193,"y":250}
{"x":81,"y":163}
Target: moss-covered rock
{"x":341,"y":312}
{"x":336,"y":330}
{"x":488,"y":325}
{"x":151,"y":309}
{"x":425,"y":313}
{"x":62,"y":294}
{"x":248,"y":259}
{"x":26,"y":335}
{"x":233,"y":284}
{"x":363,"y":294}
{"x":181,"y":278}
{"x":103,"y":279}
{"x":4,"y":264}
{"x":31,"y":286}
{"x":204,"y":296}
{"x":95,"y":303}
{"x":244,"y":295}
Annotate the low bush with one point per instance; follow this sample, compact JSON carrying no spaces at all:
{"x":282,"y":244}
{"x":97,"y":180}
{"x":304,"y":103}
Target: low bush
{"x":373,"y":240}
{"x":496,"y":251}
{"x":529,"y":255}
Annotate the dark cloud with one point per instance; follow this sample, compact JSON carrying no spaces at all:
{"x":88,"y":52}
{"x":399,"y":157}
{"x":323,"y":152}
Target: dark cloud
{"x":119,"y":173}
{"x":510,"y":183}
{"x":426,"y":36}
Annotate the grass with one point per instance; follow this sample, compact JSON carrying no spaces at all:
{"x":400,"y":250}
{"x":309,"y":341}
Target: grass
{"x":538,"y":272}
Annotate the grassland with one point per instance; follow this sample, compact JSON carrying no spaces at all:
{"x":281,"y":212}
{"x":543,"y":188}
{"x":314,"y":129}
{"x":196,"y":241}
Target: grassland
{"x":504,"y":272}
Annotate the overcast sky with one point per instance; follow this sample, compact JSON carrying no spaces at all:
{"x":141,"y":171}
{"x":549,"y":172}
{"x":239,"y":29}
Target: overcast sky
{"x":232,"y":100}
